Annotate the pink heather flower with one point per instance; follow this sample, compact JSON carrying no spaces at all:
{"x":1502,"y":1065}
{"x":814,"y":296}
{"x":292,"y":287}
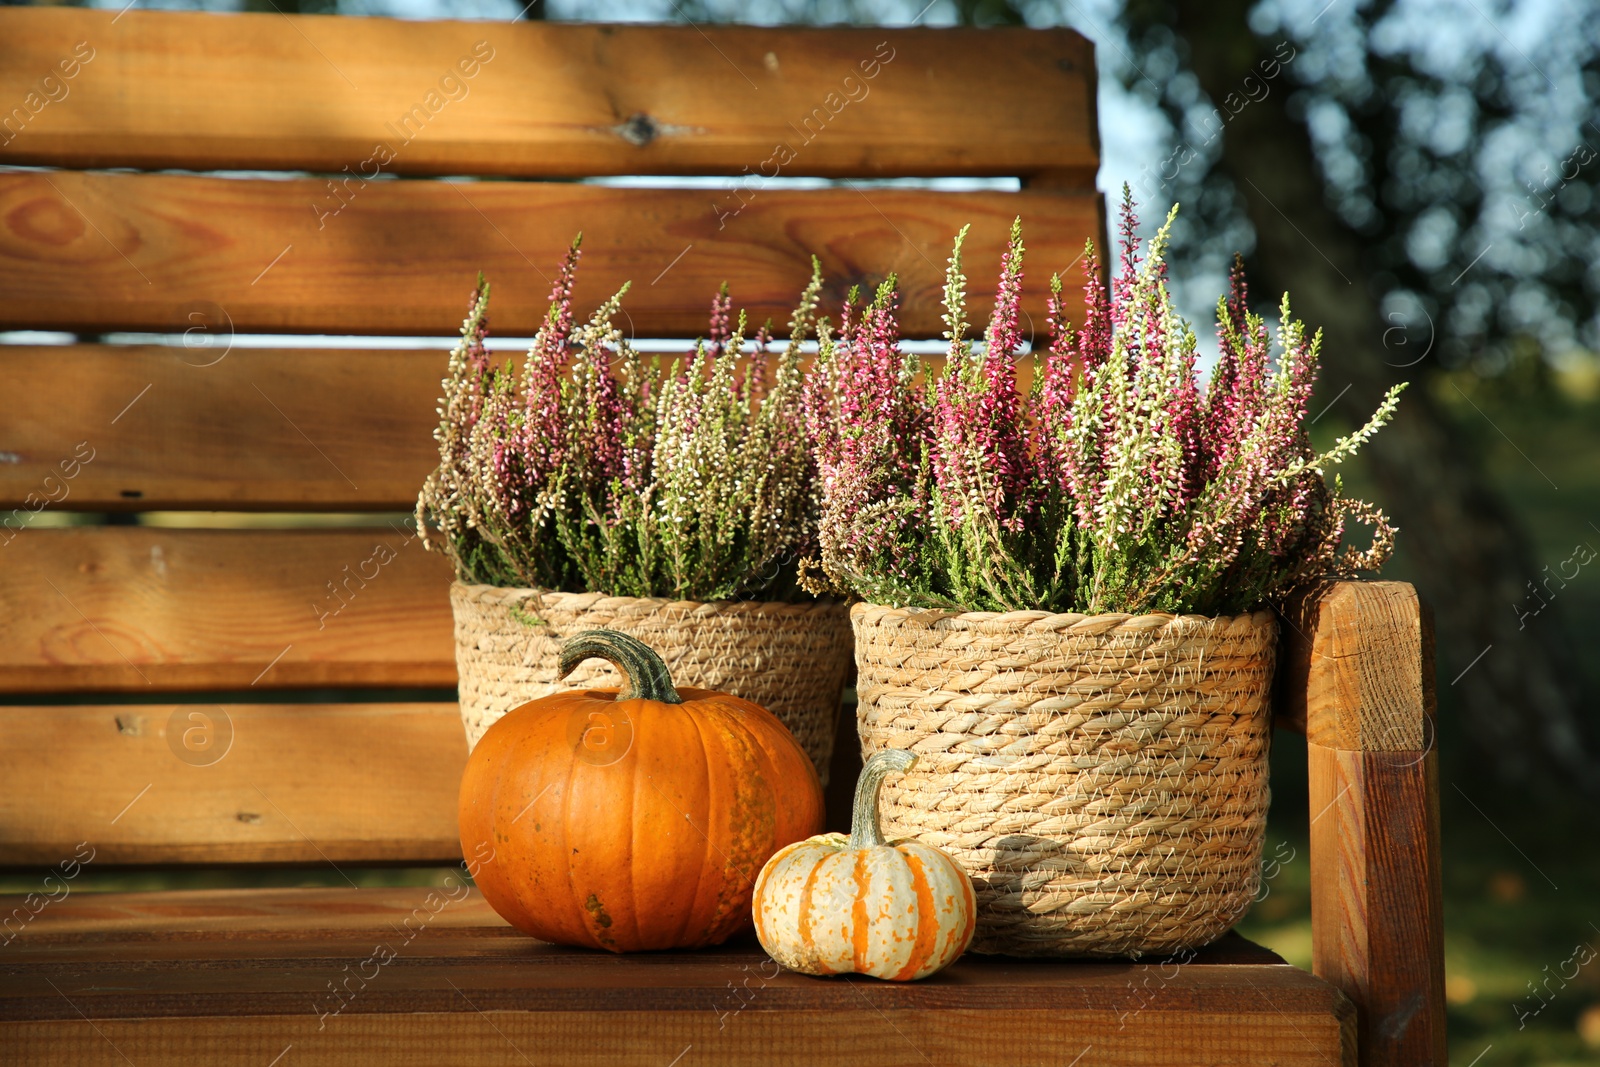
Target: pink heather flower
{"x":1005,"y":328}
{"x":1073,"y":366}
{"x":607,"y":417}
{"x":591,"y":469}
{"x":1235,"y":400}
{"x":1181,"y":421}
{"x":477,"y":355}
{"x":751,"y":381}
{"x":1118,"y":483}
{"x":721,"y":328}
{"x":1122,"y":288}
{"x":981,"y":453}
{"x":1094,"y":340}
{"x":880,"y":415}
{"x":539,"y":439}
{"x":867,"y":419}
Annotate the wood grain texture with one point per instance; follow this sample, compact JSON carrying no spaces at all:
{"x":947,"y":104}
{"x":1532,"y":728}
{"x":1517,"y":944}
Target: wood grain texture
{"x":113,"y":925}
{"x":145,"y":251}
{"x":858,"y":1036}
{"x":247,"y":429}
{"x":233,"y":783}
{"x":146,"y":609}
{"x":202,"y":91}
{"x":1376,"y":902}
{"x":228,"y":977}
{"x":1356,"y":670}
{"x":109,"y":924}
{"x":178,"y":428}
{"x":202,"y":783}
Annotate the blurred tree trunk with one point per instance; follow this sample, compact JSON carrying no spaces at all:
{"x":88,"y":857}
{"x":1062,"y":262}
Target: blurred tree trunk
{"x":1520,"y":699}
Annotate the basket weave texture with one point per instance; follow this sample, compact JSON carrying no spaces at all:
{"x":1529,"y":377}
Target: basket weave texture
{"x":1102,"y":778}
{"x":789,"y":658}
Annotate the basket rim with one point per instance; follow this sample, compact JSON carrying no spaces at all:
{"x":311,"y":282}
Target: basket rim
{"x":933,"y":616}
{"x":586,"y":600}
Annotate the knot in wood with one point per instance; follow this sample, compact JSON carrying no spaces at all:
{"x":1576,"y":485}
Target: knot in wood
{"x":639,"y":130}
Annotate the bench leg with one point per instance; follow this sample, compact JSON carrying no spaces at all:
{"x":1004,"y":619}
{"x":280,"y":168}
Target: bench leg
{"x":1360,"y":654}
{"x":1376,"y":922}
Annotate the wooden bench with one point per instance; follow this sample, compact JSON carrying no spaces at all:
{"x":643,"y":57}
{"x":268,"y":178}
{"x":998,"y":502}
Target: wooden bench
{"x":220,"y":615}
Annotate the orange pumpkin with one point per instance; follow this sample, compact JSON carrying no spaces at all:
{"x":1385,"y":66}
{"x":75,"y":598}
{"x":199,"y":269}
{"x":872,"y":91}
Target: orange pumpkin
{"x":636,"y":819}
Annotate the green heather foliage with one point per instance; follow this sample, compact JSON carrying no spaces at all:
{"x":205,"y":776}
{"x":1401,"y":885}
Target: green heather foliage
{"x":596,"y":469}
{"x":1118,"y":483}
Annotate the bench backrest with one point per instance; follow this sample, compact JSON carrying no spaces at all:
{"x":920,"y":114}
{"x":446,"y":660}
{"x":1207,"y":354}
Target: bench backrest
{"x":101,"y":624}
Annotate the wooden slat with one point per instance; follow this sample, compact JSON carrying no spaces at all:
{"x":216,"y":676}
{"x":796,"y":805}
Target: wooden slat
{"x":107,"y":922}
{"x":131,"y":608}
{"x":128,"y":251}
{"x":215,"y":921}
{"x":175,"y":428}
{"x":155,"y":428}
{"x":231,"y":783}
{"x":203,"y":91}
{"x":227,"y":978}
{"x":1376,"y":904}
{"x":859,"y":1035}
{"x":200,"y":783}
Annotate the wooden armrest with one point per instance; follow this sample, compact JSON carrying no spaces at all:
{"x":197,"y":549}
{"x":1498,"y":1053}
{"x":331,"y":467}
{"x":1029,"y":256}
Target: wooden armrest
{"x":1357,"y":676}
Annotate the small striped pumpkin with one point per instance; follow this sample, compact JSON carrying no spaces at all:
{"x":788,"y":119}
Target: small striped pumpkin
{"x":861,"y":905}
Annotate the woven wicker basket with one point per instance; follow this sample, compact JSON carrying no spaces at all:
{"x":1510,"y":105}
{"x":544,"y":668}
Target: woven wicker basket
{"x":789,"y":658}
{"x":1102,"y":778}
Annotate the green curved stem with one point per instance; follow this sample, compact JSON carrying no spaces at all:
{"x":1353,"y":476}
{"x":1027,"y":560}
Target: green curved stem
{"x":864,"y":829}
{"x":644,"y":675}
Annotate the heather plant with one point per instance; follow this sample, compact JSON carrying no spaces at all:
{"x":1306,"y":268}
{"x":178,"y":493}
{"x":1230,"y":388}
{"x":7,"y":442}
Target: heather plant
{"x":596,"y":468}
{"x":1116,"y":482}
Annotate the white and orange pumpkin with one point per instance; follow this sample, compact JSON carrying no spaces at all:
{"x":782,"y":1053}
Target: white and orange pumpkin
{"x":861,"y":905}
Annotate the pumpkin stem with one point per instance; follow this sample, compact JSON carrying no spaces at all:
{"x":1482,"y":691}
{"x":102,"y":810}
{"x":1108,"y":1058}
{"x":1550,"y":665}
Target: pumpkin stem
{"x":644,"y":675}
{"x":864,"y":829}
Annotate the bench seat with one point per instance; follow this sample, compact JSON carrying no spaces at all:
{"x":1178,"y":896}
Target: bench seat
{"x":244,"y":977}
